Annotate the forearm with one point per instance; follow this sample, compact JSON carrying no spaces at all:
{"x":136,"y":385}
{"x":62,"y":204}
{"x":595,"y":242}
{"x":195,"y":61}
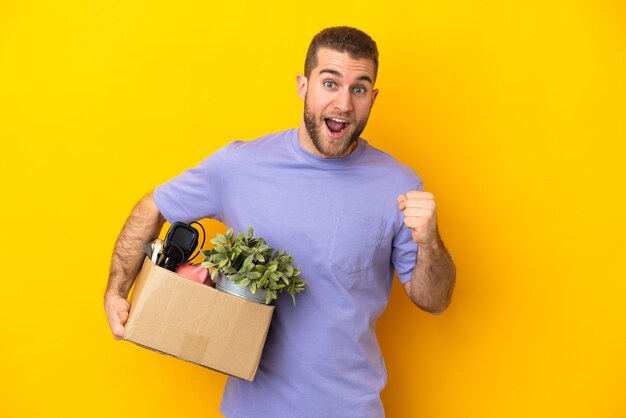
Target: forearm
{"x":142,"y":226}
{"x":433,"y":278}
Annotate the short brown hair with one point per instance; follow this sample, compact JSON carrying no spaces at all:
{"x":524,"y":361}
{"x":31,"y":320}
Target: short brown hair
{"x":356,"y":43}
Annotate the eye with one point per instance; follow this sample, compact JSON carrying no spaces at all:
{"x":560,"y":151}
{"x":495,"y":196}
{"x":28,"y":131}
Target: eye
{"x":329,"y":84}
{"x":359,"y":90}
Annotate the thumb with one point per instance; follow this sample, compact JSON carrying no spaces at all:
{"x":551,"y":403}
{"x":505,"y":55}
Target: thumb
{"x":123,"y":315}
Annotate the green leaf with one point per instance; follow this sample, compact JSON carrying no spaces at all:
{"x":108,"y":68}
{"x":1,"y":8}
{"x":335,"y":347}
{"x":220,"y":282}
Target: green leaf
{"x":250,"y":232}
{"x":245,"y":282}
{"x":248,"y":261}
{"x":214,"y":274}
{"x":263,"y":280}
{"x":229,"y":270}
{"x":253,"y":288}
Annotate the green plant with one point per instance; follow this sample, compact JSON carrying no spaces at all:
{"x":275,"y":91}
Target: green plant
{"x":250,"y":262}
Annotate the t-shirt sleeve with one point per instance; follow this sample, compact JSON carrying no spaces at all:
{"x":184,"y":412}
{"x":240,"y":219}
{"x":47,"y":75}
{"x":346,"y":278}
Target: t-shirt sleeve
{"x":404,"y":249}
{"x":196,"y":193}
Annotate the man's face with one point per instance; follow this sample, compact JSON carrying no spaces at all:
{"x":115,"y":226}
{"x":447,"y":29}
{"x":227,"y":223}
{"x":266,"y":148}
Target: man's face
{"x":338,"y":97}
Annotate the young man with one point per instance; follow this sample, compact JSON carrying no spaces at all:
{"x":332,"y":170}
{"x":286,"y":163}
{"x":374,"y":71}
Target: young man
{"x":348,"y":214}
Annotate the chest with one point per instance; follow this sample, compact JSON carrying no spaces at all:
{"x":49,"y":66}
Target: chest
{"x":347,"y":218}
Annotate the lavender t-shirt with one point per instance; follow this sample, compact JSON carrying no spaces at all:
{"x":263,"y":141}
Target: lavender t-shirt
{"x":339,"y":219}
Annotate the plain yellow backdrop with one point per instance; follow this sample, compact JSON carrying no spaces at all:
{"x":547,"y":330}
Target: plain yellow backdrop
{"x":514,"y":113}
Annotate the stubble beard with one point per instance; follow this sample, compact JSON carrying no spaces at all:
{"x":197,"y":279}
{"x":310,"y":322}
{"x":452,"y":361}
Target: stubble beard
{"x":315,"y":127}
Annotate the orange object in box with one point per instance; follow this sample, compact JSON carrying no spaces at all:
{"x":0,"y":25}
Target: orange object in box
{"x":195,"y":272}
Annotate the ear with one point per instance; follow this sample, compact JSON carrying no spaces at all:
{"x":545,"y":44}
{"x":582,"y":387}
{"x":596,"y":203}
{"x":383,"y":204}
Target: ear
{"x":302,"y":85}
{"x":374,"y":95}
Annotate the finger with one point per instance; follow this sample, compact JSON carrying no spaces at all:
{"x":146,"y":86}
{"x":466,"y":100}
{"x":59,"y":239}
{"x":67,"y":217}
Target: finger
{"x":417,"y":212}
{"x":421,"y":195}
{"x":118,"y":331}
{"x":420,"y":203}
{"x":413,"y":223}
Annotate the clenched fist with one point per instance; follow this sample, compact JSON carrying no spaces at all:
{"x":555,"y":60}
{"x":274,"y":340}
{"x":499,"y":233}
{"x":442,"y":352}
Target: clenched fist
{"x":420,"y":216}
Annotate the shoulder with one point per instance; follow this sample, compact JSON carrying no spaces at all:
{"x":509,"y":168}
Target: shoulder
{"x":255,"y":151}
{"x":389,"y":166}
{"x":268,"y":141}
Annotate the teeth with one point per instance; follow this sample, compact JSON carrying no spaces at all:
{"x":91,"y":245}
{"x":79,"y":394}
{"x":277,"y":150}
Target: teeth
{"x":338,"y":120}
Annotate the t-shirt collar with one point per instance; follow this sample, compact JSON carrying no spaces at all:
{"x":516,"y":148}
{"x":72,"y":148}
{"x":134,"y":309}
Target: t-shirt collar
{"x":321,"y":162}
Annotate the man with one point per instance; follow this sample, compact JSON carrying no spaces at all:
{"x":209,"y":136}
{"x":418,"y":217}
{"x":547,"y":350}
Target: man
{"x":348,"y":214}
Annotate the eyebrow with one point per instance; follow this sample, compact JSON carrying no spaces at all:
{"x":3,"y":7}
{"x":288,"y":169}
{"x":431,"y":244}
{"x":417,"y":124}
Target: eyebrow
{"x":338,"y":74}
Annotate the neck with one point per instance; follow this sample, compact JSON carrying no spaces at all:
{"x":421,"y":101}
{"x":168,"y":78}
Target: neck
{"x":307,"y":143}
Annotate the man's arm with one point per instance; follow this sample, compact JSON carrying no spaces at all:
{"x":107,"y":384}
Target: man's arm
{"x":142,"y":226}
{"x":434,"y":275}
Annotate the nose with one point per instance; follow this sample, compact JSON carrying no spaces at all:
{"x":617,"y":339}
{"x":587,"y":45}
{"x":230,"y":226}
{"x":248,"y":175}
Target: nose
{"x":343,"y":101}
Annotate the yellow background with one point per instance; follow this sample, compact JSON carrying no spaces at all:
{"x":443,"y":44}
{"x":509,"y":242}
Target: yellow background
{"x":513,"y":112}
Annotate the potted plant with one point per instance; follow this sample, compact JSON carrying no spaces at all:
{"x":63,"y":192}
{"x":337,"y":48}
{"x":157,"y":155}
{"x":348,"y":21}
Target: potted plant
{"x":248,"y":267}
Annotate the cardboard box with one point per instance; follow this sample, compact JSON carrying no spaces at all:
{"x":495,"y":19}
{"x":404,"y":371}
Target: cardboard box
{"x":197,"y":323}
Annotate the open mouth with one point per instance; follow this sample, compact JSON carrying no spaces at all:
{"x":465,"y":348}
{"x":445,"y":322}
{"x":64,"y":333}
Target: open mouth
{"x":336,"y":127}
